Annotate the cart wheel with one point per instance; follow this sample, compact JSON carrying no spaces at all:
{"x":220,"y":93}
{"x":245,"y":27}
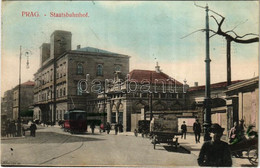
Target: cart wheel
{"x":253,"y":155}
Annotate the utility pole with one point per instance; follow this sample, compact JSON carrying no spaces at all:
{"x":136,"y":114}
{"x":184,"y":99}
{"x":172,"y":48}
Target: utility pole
{"x":151,"y":98}
{"x":228,"y":61}
{"x":19,"y":95}
{"x":207,"y":100}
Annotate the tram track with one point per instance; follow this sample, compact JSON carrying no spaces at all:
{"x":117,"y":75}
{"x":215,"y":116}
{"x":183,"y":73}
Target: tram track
{"x":64,"y":154}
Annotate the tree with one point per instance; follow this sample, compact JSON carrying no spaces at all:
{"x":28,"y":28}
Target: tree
{"x":230,"y":36}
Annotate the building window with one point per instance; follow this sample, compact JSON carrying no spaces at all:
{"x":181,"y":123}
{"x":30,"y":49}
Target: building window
{"x":163,"y":95}
{"x":99,"y":70}
{"x":180,"y":96}
{"x":113,"y":117}
{"x":60,"y":92}
{"x":79,"y":91}
{"x":144,"y":94}
{"x":61,"y":115}
{"x":57,"y":93}
{"x":117,"y":68}
{"x":64,"y":91}
{"x":156,"y":95}
{"x":80,"y":68}
{"x":64,"y":68}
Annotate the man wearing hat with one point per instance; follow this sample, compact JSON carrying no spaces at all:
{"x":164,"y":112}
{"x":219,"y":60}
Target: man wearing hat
{"x":197,"y":130}
{"x":215,"y":153}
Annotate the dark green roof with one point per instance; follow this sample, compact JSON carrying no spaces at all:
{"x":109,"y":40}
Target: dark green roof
{"x":94,"y":50}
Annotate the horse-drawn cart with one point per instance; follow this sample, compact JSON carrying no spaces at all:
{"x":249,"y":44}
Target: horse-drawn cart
{"x":250,"y":146}
{"x":165,"y":137}
{"x":165,"y":130}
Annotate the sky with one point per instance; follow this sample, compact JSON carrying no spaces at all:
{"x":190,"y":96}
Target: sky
{"x":147,"y":31}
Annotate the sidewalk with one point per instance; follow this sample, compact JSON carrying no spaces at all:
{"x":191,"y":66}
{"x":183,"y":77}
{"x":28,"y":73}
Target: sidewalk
{"x":190,"y":145}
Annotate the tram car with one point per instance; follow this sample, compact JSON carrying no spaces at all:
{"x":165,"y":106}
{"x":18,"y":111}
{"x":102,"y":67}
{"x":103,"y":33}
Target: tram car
{"x":75,"y":121}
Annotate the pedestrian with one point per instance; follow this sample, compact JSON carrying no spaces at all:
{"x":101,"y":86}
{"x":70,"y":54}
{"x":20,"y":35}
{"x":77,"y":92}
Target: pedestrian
{"x":33,"y":129}
{"x":183,"y":130}
{"x":108,"y":127}
{"x":8,"y":128}
{"x":215,"y":153}
{"x":101,"y":128}
{"x":197,"y":130}
{"x":152,"y":125}
{"x":92,"y":126}
{"x":13,"y":129}
{"x":241,"y":128}
{"x":23,"y":131}
{"x":120,"y":126}
{"x":136,"y":132}
{"x":233,"y":133}
{"x":116,"y":128}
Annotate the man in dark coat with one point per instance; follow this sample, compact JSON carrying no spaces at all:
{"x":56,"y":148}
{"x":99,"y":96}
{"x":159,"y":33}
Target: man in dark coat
{"x":116,"y":128}
{"x":108,"y":127}
{"x":215,"y":153}
{"x":33,"y":129}
{"x":183,"y":130}
{"x":197,"y":130}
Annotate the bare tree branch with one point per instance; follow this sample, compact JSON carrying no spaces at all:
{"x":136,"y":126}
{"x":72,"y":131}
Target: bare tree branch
{"x":249,"y":34}
{"x":216,"y":13}
{"x":214,"y":19}
{"x":212,"y":35}
{"x":199,"y":5}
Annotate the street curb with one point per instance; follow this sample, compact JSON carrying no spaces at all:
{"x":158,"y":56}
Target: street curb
{"x":12,"y":138}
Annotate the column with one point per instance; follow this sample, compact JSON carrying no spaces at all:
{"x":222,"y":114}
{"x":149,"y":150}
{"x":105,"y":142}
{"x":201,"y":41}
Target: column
{"x":108,"y":112}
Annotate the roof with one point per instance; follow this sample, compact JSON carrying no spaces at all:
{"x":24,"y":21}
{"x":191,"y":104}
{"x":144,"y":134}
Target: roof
{"x":148,"y":75}
{"x":212,"y":86}
{"x":28,"y":83}
{"x":94,"y":50}
{"x":245,"y":84}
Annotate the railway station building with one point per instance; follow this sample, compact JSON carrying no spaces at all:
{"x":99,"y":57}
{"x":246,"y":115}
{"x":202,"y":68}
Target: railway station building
{"x":62,"y":68}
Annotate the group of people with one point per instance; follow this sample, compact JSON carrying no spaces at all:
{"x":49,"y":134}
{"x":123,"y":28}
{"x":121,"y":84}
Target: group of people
{"x":10,"y":129}
{"x":196,"y":130}
{"x":118,"y":127}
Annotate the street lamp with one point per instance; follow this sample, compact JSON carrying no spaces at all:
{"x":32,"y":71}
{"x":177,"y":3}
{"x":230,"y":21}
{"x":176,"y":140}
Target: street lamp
{"x":26,"y":53}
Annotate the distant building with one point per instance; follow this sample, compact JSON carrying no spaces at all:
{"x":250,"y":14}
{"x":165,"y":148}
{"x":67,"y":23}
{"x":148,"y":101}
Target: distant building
{"x":243,"y":102}
{"x":219,"y":112}
{"x":60,"y":80}
{"x":7,"y":104}
{"x":128,"y":99}
{"x":26,"y":98}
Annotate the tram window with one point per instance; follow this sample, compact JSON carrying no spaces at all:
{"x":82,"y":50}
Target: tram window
{"x":66,"y":116}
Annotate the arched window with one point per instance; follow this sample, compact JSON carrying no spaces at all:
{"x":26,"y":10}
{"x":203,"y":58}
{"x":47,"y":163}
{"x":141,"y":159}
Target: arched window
{"x":117,"y":68}
{"x":80,"y":68}
{"x":99,"y":70}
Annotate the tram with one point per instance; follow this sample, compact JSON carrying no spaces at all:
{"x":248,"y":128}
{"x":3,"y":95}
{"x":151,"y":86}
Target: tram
{"x":75,"y":121}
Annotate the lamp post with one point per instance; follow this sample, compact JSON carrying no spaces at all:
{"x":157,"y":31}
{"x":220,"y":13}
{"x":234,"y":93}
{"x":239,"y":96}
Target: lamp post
{"x":27,"y":53}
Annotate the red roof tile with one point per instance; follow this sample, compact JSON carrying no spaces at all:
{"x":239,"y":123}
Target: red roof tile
{"x":212,"y":86}
{"x":28,"y":83}
{"x":140,"y":75}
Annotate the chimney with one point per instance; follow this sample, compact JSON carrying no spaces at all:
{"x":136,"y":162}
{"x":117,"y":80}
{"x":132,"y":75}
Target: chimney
{"x":44,"y":53}
{"x":78,"y":47}
{"x":196,"y":84}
